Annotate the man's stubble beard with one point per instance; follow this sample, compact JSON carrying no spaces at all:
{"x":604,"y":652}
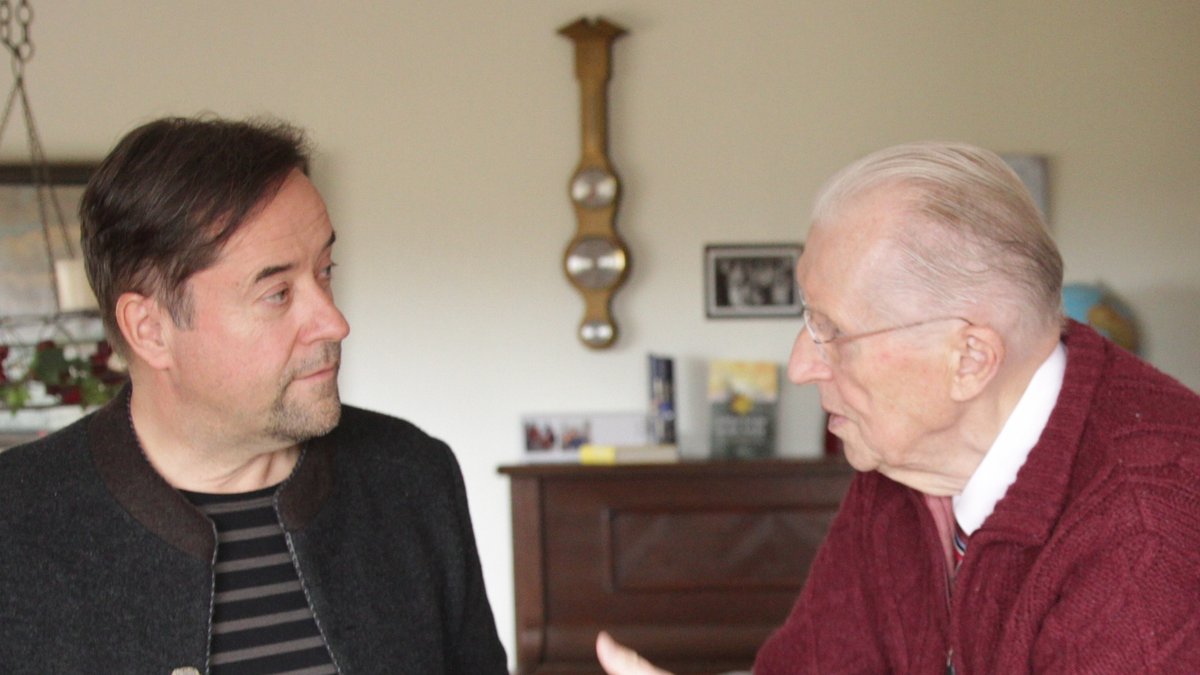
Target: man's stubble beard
{"x":296,"y":421}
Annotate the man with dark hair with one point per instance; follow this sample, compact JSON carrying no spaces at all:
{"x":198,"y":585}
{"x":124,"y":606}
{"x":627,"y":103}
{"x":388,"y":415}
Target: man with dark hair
{"x":226,"y":513}
{"x":1027,"y":500}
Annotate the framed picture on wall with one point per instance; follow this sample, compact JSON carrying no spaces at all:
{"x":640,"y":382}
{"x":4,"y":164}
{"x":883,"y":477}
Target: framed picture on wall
{"x":1032,"y":170}
{"x":751,"y":280}
{"x":37,"y":225}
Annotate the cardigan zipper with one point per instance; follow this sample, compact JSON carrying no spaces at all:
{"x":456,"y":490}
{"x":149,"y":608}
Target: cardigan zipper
{"x":948,"y":582}
{"x":949,"y":586}
{"x":950,"y":614}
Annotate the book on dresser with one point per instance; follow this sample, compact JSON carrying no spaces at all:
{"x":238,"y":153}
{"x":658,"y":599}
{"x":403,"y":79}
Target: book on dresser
{"x":628,"y":454}
{"x":662,"y":399}
{"x":742,"y":397}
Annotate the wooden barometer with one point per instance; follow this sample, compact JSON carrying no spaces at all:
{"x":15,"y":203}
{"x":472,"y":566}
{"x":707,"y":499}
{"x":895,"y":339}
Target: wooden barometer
{"x":596,"y":261}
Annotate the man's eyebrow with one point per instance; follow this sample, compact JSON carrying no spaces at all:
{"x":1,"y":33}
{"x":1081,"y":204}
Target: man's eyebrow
{"x":271,"y":271}
{"x":279,"y":269}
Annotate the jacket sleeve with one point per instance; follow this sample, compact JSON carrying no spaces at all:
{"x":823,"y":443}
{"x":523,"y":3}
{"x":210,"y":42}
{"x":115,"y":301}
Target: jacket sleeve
{"x":477,"y":648}
{"x":830,"y":628}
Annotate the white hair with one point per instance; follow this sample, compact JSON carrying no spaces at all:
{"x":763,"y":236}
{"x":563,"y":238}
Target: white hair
{"x":977,"y":244}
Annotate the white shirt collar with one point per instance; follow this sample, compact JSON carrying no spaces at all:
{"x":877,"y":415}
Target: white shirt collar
{"x":1020,"y":433}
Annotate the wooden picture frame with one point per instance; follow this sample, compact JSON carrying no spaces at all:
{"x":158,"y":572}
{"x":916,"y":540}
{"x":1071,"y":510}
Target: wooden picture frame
{"x":751,"y":280}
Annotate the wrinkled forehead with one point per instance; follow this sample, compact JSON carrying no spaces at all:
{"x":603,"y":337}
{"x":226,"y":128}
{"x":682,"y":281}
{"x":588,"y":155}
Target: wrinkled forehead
{"x":847,"y":256}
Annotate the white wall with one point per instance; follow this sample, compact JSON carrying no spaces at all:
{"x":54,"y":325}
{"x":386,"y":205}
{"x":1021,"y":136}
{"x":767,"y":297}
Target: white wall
{"x":447,"y":131}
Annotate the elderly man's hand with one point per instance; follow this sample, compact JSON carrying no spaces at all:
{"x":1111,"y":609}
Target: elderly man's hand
{"x":617,"y":659}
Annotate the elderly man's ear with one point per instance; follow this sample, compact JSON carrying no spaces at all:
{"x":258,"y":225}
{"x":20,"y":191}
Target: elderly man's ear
{"x":977,"y":357}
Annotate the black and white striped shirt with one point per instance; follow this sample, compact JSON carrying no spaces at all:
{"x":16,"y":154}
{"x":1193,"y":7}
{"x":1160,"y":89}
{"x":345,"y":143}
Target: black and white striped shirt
{"x":262,"y":623}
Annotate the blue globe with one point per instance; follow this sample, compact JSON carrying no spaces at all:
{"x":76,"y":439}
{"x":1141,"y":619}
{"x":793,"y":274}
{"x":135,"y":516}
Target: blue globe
{"x":1096,"y":306}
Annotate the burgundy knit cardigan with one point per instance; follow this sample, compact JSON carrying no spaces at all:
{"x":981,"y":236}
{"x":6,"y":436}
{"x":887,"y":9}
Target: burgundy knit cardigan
{"x":1089,"y":564}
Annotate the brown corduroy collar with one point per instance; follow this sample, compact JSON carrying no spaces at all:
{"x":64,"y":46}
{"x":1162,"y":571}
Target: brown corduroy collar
{"x":150,"y":500}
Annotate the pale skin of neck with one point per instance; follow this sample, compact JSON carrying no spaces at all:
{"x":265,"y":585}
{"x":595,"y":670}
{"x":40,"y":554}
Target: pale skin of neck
{"x":191,"y":454}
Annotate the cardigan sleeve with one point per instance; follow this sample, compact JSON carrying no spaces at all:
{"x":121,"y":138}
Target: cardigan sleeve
{"x":830,"y":628}
{"x":1128,"y":598}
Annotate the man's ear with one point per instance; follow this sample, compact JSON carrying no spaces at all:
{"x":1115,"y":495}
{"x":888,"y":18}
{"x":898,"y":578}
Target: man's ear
{"x":145,"y":324}
{"x":977,"y":358}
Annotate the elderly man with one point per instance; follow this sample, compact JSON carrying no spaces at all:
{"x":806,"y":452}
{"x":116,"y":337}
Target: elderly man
{"x":225,"y":513}
{"x":1029,"y":495}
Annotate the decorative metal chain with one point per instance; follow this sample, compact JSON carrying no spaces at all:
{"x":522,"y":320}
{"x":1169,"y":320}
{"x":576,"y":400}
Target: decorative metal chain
{"x":14,"y":29}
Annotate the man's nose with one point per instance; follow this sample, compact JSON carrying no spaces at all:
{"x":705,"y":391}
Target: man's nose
{"x":327,"y":321}
{"x":806,"y":364}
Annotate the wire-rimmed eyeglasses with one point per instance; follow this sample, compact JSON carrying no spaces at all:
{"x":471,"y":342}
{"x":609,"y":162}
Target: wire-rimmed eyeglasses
{"x":823,"y":331}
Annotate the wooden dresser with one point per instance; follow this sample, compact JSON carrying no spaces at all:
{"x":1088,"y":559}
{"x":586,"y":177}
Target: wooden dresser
{"x":693,"y":564}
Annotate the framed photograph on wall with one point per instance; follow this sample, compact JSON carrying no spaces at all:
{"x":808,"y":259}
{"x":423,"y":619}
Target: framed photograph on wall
{"x":27,"y":280}
{"x":751,"y":280}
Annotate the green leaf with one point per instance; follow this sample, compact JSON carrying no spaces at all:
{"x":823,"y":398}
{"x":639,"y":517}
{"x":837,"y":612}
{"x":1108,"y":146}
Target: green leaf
{"x":49,"y":365}
{"x":94,"y":392}
{"x":15,"y":396}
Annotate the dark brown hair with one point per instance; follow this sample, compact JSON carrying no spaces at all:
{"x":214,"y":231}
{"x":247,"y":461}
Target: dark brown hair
{"x":159,"y":208}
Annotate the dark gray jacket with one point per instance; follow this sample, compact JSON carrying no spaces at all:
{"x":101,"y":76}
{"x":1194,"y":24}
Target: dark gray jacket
{"x":104,"y":568}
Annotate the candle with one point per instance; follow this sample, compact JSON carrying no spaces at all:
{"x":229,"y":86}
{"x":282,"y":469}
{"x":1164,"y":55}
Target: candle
{"x":74,"y":292}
